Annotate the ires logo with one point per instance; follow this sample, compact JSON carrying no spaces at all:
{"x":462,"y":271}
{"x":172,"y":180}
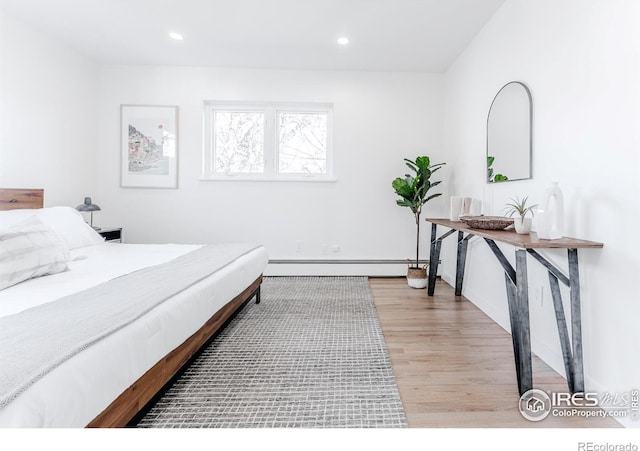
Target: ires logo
{"x":574,"y":400}
{"x":536,"y":405}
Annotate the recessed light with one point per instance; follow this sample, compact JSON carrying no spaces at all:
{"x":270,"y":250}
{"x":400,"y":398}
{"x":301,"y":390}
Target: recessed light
{"x":176,"y":36}
{"x":343,"y":40}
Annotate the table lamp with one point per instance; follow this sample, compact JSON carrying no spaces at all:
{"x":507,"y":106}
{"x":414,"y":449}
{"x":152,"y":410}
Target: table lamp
{"x":90,"y":207}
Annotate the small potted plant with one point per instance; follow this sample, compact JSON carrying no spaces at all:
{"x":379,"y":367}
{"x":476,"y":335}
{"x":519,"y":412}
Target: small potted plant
{"x":413,"y":189}
{"x":521,"y":223}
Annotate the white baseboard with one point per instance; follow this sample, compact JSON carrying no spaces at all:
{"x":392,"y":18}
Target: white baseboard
{"x":339,"y":267}
{"x":324,"y":269}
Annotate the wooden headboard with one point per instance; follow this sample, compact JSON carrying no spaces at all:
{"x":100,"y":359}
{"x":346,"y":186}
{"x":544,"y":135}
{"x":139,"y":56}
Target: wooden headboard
{"x":13,"y":199}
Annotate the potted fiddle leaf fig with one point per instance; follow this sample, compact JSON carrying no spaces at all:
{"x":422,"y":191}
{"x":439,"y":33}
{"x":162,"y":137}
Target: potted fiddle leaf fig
{"x":413,"y":190}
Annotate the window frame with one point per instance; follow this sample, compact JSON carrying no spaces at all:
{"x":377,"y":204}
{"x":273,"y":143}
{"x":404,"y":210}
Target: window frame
{"x":271,"y":144}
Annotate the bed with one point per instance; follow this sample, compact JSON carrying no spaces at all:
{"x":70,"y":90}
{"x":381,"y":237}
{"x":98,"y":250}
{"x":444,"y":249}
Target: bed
{"x":88,"y":344}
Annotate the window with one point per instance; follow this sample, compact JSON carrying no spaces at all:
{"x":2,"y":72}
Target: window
{"x":239,"y":142}
{"x":267,"y":141}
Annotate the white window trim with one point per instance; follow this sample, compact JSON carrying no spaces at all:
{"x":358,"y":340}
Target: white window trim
{"x":271,"y":144}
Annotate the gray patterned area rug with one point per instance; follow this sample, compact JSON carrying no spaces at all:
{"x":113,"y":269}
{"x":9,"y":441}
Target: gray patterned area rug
{"x":310,"y":355}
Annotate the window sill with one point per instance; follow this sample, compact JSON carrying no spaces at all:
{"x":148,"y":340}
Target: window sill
{"x":237,"y":178}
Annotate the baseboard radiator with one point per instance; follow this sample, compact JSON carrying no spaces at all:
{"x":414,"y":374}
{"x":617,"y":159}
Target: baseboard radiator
{"x":378,"y":267}
{"x":342,"y":262}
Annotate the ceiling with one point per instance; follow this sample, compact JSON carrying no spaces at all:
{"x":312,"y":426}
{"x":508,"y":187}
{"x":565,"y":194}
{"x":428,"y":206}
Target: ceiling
{"x":385,"y":35}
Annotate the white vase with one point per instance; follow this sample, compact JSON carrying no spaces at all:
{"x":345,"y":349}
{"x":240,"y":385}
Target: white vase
{"x":465,"y":208}
{"x":550,"y":220}
{"x":456,"y":206}
{"x":460,"y":206}
{"x":522,"y":225}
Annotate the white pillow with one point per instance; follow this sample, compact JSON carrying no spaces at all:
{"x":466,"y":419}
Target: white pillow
{"x":67,"y":222}
{"x":30,"y":249}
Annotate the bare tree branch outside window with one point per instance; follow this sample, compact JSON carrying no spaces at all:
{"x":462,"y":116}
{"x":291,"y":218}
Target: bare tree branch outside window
{"x":239,"y":138}
{"x":268,"y":141}
{"x":303,"y":143}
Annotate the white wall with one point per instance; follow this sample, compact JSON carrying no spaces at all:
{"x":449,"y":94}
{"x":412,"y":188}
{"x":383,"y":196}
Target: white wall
{"x":379,"y":118}
{"x":581,"y":60}
{"x":579,"y":57}
{"x":47,"y":115}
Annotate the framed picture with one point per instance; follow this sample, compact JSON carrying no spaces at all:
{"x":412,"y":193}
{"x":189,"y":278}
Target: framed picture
{"x":148,"y":146}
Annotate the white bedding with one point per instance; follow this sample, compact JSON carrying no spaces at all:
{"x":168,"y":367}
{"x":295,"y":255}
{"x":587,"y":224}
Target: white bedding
{"x":79,"y":389}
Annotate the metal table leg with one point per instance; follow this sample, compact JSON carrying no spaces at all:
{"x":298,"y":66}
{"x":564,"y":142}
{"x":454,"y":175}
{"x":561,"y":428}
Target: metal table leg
{"x":561,"y":321}
{"x":434,"y":258}
{"x":433,"y":261}
{"x":461,"y":260}
{"x":576,"y":321}
{"x":513,"y":321}
{"x":518,"y":299}
{"x":522,"y":301}
{"x":571,"y":349}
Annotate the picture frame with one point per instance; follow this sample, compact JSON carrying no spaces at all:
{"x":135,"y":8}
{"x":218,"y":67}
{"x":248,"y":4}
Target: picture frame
{"x":148,"y":146}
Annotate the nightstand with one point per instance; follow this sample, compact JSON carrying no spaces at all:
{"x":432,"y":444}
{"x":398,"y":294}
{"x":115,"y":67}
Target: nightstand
{"x":111,"y":234}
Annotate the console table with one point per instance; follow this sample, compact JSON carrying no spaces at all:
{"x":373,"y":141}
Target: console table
{"x":518,"y":293}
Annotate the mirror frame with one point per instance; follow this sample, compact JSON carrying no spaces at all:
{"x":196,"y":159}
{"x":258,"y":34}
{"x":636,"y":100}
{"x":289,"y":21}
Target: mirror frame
{"x":528,"y":91}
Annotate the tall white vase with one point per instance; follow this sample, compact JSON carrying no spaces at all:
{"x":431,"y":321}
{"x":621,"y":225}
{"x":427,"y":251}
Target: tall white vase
{"x":465,"y":208}
{"x":456,"y":206}
{"x":550,"y":215}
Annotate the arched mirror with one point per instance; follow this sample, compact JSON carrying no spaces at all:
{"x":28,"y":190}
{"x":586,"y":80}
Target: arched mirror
{"x":509,"y":134}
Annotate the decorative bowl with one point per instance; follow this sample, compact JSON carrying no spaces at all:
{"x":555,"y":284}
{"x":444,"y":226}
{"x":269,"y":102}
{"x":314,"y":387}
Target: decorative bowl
{"x":487,"y":222}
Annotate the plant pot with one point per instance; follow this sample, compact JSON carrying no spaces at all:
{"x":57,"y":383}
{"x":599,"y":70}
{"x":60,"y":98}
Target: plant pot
{"x":417,"y":277}
{"x":522,"y":225}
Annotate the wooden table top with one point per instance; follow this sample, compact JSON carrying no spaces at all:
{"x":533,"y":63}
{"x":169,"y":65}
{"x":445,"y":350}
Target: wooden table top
{"x":530,"y":241}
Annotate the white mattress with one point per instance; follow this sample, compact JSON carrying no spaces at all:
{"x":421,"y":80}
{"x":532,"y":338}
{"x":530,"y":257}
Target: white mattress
{"x":81,"y":388}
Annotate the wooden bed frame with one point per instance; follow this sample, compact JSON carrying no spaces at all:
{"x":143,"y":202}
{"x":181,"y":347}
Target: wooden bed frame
{"x":121,"y":411}
{"x":134,"y":399}
{"x":13,"y":199}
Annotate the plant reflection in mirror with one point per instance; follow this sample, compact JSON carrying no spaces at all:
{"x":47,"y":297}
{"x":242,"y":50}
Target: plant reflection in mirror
{"x":490,"y":175}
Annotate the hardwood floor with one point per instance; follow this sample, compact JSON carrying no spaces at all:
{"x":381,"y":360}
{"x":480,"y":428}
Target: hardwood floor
{"x":454,"y":365}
